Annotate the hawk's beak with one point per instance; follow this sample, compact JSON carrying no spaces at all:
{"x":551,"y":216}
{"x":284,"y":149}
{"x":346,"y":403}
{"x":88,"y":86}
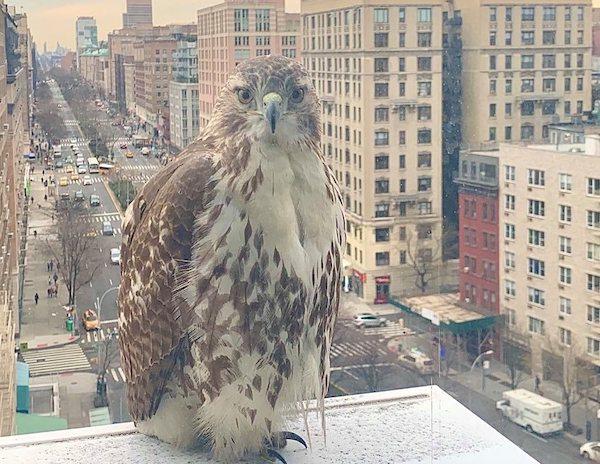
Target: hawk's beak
{"x":272,"y":104}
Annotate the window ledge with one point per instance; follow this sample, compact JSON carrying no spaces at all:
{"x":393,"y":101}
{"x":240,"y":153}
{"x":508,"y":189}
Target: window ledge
{"x":413,"y":425}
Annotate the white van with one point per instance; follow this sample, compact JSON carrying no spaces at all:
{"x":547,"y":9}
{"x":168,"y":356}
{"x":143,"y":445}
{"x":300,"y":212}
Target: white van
{"x":532,"y":411}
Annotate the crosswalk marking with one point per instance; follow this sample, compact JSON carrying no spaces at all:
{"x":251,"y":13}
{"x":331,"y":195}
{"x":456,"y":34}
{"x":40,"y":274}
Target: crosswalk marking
{"x":389,"y":331}
{"x":117,"y":374}
{"x":68,"y":358}
{"x":149,"y":167}
{"x":356,"y":349}
{"x":98,"y":335}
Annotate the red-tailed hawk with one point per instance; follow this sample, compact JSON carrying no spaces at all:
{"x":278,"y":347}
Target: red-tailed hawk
{"x":231,"y":267}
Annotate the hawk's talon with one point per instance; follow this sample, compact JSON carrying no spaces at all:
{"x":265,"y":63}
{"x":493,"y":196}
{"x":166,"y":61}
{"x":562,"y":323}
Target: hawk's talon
{"x":275,"y":456}
{"x":284,"y":436}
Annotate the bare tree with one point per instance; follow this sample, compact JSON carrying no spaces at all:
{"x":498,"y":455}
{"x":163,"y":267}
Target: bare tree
{"x":74,"y":249}
{"x":423,"y":253}
{"x":107,"y":354}
{"x":368,"y":369}
{"x":575,"y":376}
{"x":515,"y":355}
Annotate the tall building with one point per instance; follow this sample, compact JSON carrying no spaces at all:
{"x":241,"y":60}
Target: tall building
{"x":378,"y":70}
{"x":550,"y":247}
{"x":93,"y":66}
{"x":526,"y":65}
{"x":235,"y":30}
{"x":86,"y":34}
{"x":139,"y":13}
{"x":478,"y":230}
{"x":183,"y":93}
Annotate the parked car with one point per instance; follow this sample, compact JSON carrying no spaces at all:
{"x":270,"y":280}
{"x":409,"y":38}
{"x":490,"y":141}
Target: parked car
{"x":63,"y":182}
{"x":69,"y":169}
{"x":417,"y":361}
{"x":129,"y":154}
{"x":115,"y":255}
{"x":79,"y":195}
{"x":107,"y":228}
{"x":74,"y":176}
{"x":591,"y":451}
{"x":58,"y":164}
{"x":79,"y":161}
{"x":69,"y":160}
{"x":369,"y":320}
{"x":81,"y":169}
{"x":90,"y":320}
{"x":87,"y":180}
{"x":94,"y":200}
{"x":123,"y":146}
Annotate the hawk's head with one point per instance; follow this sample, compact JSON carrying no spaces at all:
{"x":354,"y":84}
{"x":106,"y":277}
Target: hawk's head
{"x":270,"y":98}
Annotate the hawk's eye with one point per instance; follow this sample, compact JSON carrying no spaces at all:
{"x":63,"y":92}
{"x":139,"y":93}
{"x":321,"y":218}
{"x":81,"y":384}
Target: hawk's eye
{"x":245,"y":96}
{"x":297,"y":95}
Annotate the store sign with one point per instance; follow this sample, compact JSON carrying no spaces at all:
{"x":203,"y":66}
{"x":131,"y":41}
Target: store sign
{"x":360,"y":276}
{"x":383,"y":279}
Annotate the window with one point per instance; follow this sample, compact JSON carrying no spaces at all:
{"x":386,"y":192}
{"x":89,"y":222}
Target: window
{"x":568,"y":41}
{"x":564,"y":275}
{"x":509,"y":173}
{"x":580,"y":11}
{"x":381,"y":15}
{"x":536,"y":326}
{"x":527,"y":61}
{"x":536,"y":237}
{"x":536,"y":267}
{"x":593,"y":314}
{"x":382,"y":210}
{"x":382,"y":234}
{"x":381,"y":65}
{"x":424,"y":88}
{"x":402,"y":185}
{"x":549,"y":13}
{"x":510,"y":288}
{"x":424,"y":160}
{"x":382,"y":186}
{"x":536,"y":207}
{"x":509,"y":202}
{"x":527,"y":85}
{"x":424,"y":136}
{"x":382,"y":162}
{"x":509,"y":231}
{"x":382,"y":258}
{"x":401,"y":64}
{"x":382,"y":114}
{"x":507,"y":133}
{"x":593,"y":283}
{"x":528,"y":13}
{"x":565,"y":245}
{"x":424,"y":184}
{"x":381,"y":39}
{"x":493,"y":14}
{"x":509,"y":259}
{"x":548,"y":61}
{"x":240,"y":20}
{"x":567,"y":13}
{"x":564,"y":305}
{"x":593,"y":186}
{"x":492,"y":111}
{"x":549,"y":107}
{"x":424,"y":63}
{"x":527,"y":37}
{"x":424,"y":207}
{"x":536,"y":177}
{"x":593,"y":219}
{"x":492,"y":38}
{"x":401,"y":89}
{"x":579,"y":37}
{"x":508,"y":14}
{"x":527,"y":131}
{"x":402,"y":161}
{"x":381,"y":89}
{"x":508,"y":38}
{"x":262,"y":20}
{"x":593,"y":251}
{"x":424,"y":15}
{"x":565,"y":182}
{"x":580,"y":84}
{"x":493,"y":86}
{"x":593,"y":347}
{"x":527,"y":108}
{"x":565,"y":213}
{"x":580,"y":60}
{"x":536,"y":296}
{"x":402,"y":40}
{"x":402,"y":15}
{"x":382,"y":138}
{"x":424,"y":39}
{"x":508,"y":62}
{"x":564,"y":336}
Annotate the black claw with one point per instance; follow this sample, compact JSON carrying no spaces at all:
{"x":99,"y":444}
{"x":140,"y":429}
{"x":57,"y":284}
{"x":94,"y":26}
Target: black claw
{"x":292,"y":436}
{"x":275,"y":455}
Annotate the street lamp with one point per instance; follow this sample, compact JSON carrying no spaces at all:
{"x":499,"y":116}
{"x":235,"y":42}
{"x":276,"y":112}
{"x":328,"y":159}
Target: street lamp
{"x":99,"y":300}
{"x":486,"y":353}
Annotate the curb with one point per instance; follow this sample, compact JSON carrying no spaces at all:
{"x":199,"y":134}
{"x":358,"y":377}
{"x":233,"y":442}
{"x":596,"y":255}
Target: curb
{"x":113,"y":198}
{"x":573,"y":439}
{"x":41,"y":346}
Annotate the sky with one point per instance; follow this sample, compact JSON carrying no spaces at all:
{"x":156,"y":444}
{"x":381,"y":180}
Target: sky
{"x":54,"y":20}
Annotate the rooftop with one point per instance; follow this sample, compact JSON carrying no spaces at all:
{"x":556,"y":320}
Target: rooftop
{"x":409,"y":426}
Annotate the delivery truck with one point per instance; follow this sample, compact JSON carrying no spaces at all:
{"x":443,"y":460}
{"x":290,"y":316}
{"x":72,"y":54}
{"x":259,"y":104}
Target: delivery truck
{"x":532,"y":411}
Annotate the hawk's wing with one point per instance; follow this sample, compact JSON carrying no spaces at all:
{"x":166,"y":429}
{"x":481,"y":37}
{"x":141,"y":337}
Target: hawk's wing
{"x":157,"y":237}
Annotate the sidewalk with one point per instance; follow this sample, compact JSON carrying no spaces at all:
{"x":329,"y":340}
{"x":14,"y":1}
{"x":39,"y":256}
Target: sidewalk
{"x":47,"y":318}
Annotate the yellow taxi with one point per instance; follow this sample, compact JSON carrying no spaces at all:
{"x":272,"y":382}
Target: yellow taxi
{"x":63,"y":182}
{"x":69,"y":169}
{"x":129,"y":154}
{"x":74,"y":176}
{"x":90,"y":320}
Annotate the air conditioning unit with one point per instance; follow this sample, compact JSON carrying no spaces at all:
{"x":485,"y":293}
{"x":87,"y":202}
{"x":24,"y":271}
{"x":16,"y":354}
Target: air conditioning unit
{"x":528,"y":277}
{"x":529,"y":189}
{"x":561,"y":226}
{"x":561,"y":287}
{"x":561,"y":257}
{"x":561,"y":317}
{"x":6,"y":126}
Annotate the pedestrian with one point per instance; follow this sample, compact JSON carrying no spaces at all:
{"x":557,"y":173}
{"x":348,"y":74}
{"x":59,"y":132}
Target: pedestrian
{"x":35,"y":234}
{"x":32,"y":199}
{"x":55,"y":277}
{"x":48,"y":266}
{"x":45,"y":197}
{"x":537,"y":384}
{"x":56,"y":290}
{"x":43,"y":172}
{"x":49,"y":292}
{"x":52,"y":217}
{"x":36,"y":297}
{"x":51,"y":265}
{"x":49,"y":280}
{"x":58,"y":266}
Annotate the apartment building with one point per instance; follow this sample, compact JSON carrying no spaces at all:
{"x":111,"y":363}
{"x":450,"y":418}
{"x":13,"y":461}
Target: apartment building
{"x":86,"y":34}
{"x":139,"y":13}
{"x":378,"y":70}
{"x":478,"y":230}
{"x":235,"y":30}
{"x":526,"y":64}
{"x":550,"y":247}
{"x":93,"y":66}
{"x":183,"y":93}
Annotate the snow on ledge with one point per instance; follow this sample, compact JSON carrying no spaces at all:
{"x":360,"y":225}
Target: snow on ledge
{"x":409,"y":426}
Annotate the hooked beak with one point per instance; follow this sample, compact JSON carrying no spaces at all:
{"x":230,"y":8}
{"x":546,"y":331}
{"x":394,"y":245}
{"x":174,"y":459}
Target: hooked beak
{"x":272,"y":105}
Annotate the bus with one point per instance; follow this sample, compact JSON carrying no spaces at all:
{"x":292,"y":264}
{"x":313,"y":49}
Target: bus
{"x":93,"y":165}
